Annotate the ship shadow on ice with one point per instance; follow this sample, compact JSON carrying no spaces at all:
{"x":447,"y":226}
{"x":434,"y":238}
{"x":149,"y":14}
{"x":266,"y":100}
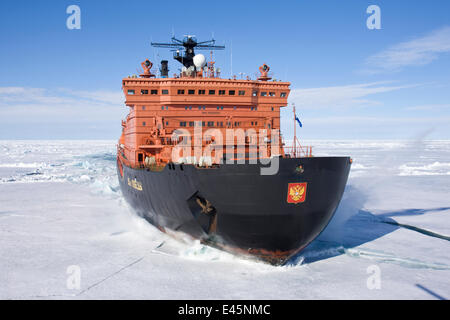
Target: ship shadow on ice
{"x":350,"y":227}
{"x":362,"y":228}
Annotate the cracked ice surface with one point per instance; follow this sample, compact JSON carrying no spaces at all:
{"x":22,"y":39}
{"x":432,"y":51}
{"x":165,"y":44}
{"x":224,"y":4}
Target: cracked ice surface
{"x":61,"y":206}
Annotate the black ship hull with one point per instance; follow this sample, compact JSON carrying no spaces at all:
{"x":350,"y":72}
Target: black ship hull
{"x":237,"y":209}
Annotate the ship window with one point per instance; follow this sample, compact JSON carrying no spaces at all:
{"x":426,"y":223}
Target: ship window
{"x":165,"y":91}
{"x":220,"y":124}
{"x":241,"y":92}
{"x":143,"y":123}
{"x":251,"y":108}
{"x":190,"y":107}
{"x":201,"y":91}
{"x":183,"y":124}
{"x":231,"y":92}
{"x":140,"y":157}
{"x":167,"y":107}
{"x":252,"y":122}
{"x":203,"y":123}
{"x":272,"y":94}
{"x":143,"y":107}
{"x":272,"y":108}
{"x":255,"y":93}
{"x":191,"y":123}
{"x":234,"y":107}
{"x":221,"y":92}
{"x":180,"y":91}
{"x":144,"y":91}
{"x":218,"y":108}
{"x":130,"y":91}
{"x":210,"y":123}
{"x":162,"y":108}
{"x":154,"y":91}
{"x":185,"y":108}
{"x":200,"y":108}
{"x":191,"y":91}
{"x":204,"y":107}
{"x":167,"y":123}
{"x":263,"y":94}
{"x":212,"y":91}
{"x":283,"y":94}
{"x":256,"y":123}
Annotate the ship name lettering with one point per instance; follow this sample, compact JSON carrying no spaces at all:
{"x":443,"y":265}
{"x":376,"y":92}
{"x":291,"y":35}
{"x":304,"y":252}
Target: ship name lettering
{"x":135,"y":184}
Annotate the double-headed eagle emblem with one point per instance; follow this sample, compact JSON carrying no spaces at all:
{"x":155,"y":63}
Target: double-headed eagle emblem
{"x":296,"y":192}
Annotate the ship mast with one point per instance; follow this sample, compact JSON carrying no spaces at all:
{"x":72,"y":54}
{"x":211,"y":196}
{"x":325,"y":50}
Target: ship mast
{"x":295,"y":132}
{"x":187,"y":44}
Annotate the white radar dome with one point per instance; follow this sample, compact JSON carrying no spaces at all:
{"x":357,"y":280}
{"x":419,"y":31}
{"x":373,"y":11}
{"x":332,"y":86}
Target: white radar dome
{"x":199,"y":61}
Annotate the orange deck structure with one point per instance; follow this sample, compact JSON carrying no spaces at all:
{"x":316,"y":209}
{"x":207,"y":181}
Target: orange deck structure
{"x":167,"y":112}
{"x":159,"y":106}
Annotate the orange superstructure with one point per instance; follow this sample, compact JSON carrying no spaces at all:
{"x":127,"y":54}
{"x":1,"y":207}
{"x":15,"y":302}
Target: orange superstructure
{"x":159,"y":106}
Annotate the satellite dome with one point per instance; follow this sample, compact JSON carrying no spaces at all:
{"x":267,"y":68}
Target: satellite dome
{"x":199,"y":61}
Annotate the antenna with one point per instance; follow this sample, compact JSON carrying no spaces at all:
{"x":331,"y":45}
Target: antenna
{"x":231,"y":57}
{"x":154,"y":53}
{"x":157,"y":57}
{"x":211,"y":68}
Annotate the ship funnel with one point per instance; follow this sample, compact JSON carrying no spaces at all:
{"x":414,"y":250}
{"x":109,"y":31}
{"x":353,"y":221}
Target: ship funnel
{"x":164,"y":69}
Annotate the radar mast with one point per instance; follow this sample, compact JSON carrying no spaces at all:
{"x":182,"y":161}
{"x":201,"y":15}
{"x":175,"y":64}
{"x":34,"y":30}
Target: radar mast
{"x":188,"y":44}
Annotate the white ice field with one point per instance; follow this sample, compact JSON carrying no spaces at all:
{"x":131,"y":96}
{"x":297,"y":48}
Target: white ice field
{"x":66,"y":232}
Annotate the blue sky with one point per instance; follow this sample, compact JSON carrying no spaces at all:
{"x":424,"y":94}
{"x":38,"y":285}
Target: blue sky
{"x":348,"y":82}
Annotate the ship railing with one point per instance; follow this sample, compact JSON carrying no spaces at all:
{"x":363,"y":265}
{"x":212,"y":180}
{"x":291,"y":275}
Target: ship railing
{"x":298,"y":151}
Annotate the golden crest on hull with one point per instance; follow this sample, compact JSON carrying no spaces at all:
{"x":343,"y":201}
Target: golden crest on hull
{"x":296,"y":192}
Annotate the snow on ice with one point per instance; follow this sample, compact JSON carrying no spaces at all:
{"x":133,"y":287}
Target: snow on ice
{"x":66,"y":232}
